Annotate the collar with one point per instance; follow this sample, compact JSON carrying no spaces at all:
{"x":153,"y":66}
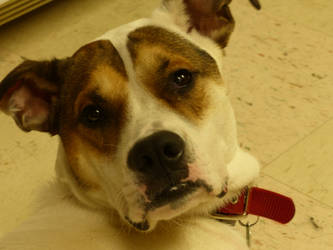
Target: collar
{"x":260,"y":202}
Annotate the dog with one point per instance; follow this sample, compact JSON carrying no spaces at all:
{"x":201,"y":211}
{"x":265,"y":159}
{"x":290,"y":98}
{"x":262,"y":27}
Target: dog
{"x":148,"y":142}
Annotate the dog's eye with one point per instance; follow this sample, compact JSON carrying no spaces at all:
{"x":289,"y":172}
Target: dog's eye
{"x":92,"y":115}
{"x":182,"y":78}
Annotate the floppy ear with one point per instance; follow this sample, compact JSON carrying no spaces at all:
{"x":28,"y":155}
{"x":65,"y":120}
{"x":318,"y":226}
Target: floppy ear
{"x":30,"y":92}
{"x":210,"y":18}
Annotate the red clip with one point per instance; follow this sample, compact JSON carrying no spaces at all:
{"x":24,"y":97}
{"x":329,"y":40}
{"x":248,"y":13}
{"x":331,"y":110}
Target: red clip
{"x":260,"y":202}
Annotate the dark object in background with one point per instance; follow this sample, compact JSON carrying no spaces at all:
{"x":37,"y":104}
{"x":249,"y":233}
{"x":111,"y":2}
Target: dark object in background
{"x":11,"y":9}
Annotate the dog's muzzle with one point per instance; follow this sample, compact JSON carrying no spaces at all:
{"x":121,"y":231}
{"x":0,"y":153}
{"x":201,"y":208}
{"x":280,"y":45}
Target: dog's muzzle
{"x":161,"y":163}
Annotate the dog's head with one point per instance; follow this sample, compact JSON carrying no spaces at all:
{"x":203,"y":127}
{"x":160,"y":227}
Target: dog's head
{"x":145,"y":122}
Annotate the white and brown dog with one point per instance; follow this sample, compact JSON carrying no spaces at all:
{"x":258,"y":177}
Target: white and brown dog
{"x":148,"y":144}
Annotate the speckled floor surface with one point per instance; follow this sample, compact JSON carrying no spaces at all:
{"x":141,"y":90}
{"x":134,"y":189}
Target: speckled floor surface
{"x":279,"y":68}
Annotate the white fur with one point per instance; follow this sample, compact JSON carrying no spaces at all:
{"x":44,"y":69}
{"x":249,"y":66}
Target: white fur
{"x":72,"y":218}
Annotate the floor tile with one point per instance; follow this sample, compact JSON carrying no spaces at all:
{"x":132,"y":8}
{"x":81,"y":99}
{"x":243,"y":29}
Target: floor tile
{"x":280,"y":81}
{"x":307,"y":166}
{"x":313,"y":14}
{"x":26,"y":162}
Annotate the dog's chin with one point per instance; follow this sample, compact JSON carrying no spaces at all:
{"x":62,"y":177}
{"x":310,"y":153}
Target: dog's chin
{"x":164,"y":210}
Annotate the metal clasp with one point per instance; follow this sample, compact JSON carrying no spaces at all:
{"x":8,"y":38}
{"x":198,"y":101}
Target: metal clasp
{"x":233,"y":217}
{"x":248,"y":226}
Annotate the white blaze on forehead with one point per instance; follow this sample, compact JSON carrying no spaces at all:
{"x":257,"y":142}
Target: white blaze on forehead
{"x":118,"y":37}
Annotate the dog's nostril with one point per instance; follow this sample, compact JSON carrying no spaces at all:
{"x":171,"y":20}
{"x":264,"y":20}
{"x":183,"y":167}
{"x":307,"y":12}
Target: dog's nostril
{"x":147,"y":161}
{"x":172,"y":151}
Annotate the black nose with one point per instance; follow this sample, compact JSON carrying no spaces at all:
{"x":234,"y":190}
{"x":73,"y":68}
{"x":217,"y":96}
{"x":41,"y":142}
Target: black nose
{"x":159,"y":154}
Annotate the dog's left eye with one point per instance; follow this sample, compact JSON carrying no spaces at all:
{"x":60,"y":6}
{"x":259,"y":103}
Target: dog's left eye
{"x":182,"y":78}
{"x":92,"y":115}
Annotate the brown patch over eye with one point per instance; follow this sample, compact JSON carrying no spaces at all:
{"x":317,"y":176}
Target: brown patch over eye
{"x":93,"y":109}
{"x":101,"y":109}
{"x":95,"y":100}
{"x":173,"y":69}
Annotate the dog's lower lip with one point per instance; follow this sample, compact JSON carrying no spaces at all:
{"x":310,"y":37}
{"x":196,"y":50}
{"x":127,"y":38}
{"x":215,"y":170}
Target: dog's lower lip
{"x":141,"y":226}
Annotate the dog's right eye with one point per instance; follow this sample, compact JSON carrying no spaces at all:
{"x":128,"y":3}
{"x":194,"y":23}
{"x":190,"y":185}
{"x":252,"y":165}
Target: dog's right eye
{"x":92,"y":115}
{"x":182,"y":81}
{"x":182,"y":78}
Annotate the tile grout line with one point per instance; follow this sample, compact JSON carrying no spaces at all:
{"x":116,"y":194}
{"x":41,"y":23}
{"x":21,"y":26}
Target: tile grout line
{"x":286,"y":151}
{"x":298,"y":142}
{"x":298,"y":191}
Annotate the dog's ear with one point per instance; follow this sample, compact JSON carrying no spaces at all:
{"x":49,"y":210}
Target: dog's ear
{"x":210,"y":18}
{"x":30,"y":92}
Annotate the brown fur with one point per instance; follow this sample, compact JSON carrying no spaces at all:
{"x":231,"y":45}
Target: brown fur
{"x":157,"y":53}
{"x":213,"y":18}
{"x":98,"y":77}
{"x":95,"y":74}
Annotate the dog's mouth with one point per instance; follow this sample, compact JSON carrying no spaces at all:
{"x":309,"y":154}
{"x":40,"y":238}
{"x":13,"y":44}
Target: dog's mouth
{"x":140,"y":226}
{"x":168,"y":203}
{"x":168,"y":197}
{"x":172,"y":194}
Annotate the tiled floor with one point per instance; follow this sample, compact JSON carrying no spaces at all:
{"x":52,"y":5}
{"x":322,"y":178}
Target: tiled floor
{"x":279,"y":67}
